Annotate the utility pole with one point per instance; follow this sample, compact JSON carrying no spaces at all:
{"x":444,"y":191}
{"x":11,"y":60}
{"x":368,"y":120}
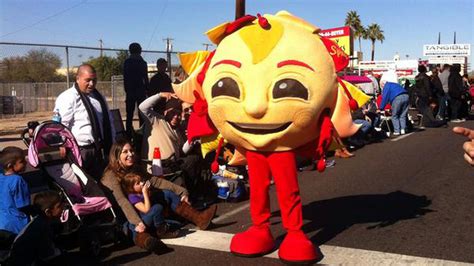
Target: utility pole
{"x":207,"y":46}
{"x":239,"y":8}
{"x":100,"y":45}
{"x":169,"y":48}
{"x":67,"y":66}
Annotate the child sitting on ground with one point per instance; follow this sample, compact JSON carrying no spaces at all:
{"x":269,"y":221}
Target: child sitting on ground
{"x":34,"y":245}
{"x":147,"y":204}
{"x":14,"y":195}
{"x":150,"y":204}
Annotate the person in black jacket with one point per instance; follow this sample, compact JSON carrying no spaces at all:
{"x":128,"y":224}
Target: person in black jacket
{"x":425,"y":97}
{"x":437,"y":89}
{"x":456,"y":92}
{"x":160,"y":82}
{"x":465,"y":98}
{"x":135,"y":81}
{"x":423,"y":88}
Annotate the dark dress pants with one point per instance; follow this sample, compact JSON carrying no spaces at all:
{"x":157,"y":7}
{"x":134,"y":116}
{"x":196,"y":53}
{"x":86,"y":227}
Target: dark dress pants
{"x":132,"y":101}
{"x":93,"y":162}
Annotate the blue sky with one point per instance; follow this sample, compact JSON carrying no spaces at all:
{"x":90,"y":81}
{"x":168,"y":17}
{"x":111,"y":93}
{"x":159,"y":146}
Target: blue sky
{"x":407,"y":24}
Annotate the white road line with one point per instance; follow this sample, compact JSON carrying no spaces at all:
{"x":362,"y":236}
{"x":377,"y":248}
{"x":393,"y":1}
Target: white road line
{"x":332,"y":255}
{"x":402,"y":137}
{"x":235,"y":211}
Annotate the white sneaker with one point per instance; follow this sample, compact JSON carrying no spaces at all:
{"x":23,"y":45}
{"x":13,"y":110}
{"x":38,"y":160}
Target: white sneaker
{"x":456,"y":121}
{"x":402,"y":131}
{"x":396,"y":133}
{"x":378,"y":129}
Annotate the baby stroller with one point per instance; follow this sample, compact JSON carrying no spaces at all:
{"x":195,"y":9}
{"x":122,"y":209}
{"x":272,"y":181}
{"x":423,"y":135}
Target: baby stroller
{"x":54,"y":150}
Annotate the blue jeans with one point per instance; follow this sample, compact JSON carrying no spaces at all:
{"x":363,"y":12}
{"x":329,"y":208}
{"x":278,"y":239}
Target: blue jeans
{"x":159,"y":199}
{"x":129,"y":230}
{"x":443,"y":106}
{"x":365,"y":125}
{"x":150,"y":219}
{"x":399,"y":112}
{"x":376,"y":121}
{"x":154,"y":217}
{"x":171,"y":198}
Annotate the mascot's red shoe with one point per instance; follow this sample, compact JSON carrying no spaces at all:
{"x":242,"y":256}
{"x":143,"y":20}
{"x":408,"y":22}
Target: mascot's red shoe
{"x":296,"y":248}
{"x":256,"y":241}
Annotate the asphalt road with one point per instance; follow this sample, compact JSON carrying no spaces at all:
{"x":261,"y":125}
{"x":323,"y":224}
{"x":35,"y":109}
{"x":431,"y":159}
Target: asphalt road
{"x":411,"y":195}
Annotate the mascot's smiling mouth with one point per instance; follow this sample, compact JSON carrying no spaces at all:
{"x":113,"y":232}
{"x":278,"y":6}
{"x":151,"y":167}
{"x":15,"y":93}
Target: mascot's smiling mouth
{"x":259,"y":129}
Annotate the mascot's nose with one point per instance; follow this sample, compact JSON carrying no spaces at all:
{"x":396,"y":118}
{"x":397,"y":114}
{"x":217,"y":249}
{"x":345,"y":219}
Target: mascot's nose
{"x":256,"y":107}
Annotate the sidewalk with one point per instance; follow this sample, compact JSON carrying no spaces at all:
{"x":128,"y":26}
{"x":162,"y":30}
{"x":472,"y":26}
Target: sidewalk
{"x":11,"y":128}
{"x":15,"y":125}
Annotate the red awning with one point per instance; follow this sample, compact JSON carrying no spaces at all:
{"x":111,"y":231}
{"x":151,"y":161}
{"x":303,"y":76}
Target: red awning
{"x":356,"y":79}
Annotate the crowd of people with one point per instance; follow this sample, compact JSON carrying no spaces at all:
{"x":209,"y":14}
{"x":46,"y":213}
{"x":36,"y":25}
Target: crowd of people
{"x":143,"y":200}
{"x":437,"y":99}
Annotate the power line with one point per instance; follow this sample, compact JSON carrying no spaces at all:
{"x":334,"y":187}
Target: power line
{"x":44,"y":19}
{"x":79,"y":47}
{"x":157,"y":23}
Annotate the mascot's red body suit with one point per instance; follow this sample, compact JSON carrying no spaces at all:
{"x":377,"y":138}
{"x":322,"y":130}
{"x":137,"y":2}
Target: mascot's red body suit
{"x":270,"y":88}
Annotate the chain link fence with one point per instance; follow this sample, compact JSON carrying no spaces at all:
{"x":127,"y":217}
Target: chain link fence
{"x":33,"y":75}
{"x":21,"y":98}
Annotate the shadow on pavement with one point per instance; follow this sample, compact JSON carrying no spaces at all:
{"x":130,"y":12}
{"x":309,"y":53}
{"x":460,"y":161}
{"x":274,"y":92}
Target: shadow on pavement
{"x":332,"y":216}
{"x":78,"y":258}
{"x":213,"y":226}
{"x":126,"y":258}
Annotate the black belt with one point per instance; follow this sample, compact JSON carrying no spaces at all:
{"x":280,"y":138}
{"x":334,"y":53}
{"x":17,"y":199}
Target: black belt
{"x":88,"y":146}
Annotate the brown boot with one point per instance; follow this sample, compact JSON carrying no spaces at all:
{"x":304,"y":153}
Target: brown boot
{"x":150,"y":243}
{"x":164,"y":231}
{"x":201,"y":219}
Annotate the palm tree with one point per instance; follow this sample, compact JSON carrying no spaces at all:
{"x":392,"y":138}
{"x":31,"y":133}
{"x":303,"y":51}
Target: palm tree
{"x":353,"y":20}
{"x":374,"y":33}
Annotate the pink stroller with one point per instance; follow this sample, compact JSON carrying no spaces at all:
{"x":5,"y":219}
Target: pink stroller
{"x":92,"y":211}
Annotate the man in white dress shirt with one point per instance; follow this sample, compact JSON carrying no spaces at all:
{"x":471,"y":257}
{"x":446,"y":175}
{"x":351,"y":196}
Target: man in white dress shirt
{"x":84,"y":111}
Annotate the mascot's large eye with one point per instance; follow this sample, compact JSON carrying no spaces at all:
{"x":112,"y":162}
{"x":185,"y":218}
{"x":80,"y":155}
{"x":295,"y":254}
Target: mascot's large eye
{"x":226,"y":87}
{"x":289,"y":88}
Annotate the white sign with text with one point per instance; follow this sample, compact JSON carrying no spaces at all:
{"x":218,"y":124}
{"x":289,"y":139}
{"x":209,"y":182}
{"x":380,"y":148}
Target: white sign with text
{"x":446,"y":50}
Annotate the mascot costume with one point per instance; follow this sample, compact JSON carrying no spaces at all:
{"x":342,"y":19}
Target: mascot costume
{"x":270,"y":88}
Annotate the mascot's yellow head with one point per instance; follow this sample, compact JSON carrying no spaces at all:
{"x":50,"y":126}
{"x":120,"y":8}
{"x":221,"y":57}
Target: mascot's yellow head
{"x":268,"y":82}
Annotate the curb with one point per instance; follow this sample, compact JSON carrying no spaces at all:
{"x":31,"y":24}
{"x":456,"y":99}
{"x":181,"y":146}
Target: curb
{"x":11,"y":132}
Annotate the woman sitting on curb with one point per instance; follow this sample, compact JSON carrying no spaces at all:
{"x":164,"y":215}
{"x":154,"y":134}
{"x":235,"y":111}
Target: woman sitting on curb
{"x":121,"y":162}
